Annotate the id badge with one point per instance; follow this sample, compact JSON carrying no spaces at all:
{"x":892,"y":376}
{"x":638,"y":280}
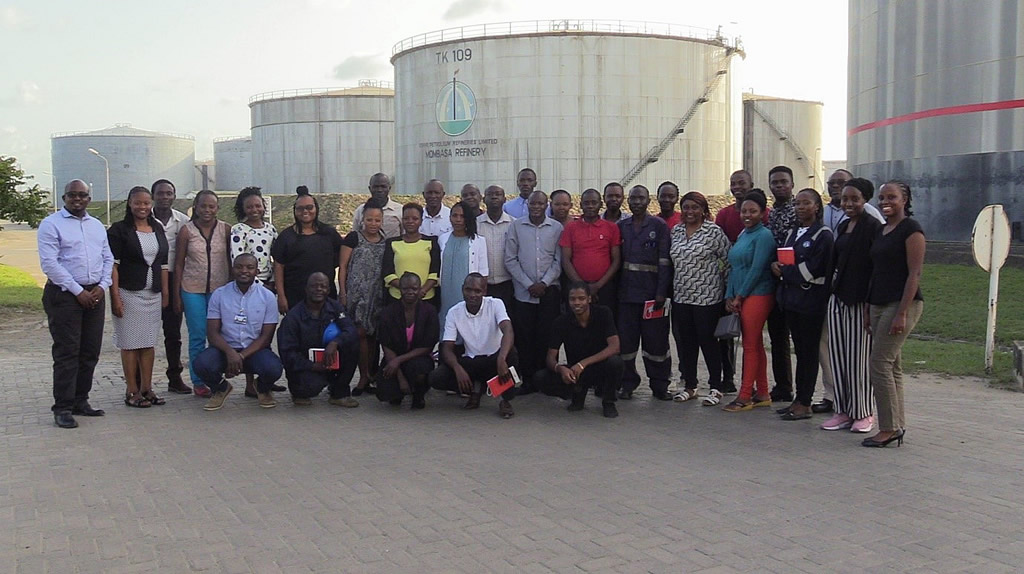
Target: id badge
{"x":240,"y":319}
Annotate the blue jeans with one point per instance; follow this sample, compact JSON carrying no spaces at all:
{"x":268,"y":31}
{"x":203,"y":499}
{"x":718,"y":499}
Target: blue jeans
{"x":211,"y":363}
{"x":195,"y":318}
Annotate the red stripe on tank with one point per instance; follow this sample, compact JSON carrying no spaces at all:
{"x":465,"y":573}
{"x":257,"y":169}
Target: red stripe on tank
{"x":936,"y":112}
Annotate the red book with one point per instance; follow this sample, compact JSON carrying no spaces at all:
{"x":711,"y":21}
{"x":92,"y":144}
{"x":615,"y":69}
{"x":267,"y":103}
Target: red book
{"x":651,"y":313}
{"x":495,"y":386}
{"x":786,"y":256}
{"x":317,"y":356}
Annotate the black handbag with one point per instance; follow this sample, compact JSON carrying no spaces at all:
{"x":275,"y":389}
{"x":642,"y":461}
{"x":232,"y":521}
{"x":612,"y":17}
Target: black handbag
{"x":728,"y":327}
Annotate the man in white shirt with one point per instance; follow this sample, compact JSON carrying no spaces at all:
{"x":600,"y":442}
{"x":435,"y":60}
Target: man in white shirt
{"x":493,"y":225}
{"x":526,"y":181}
{"x":380,"y":195}
{"x":484,"y":327}
{"x":172,"y":221}
{"x":834,"y":212}
{"x":435,"y":213}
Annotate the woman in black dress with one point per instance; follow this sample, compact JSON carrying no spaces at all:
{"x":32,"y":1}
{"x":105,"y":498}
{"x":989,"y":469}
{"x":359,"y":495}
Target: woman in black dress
{"x":302,"y":249}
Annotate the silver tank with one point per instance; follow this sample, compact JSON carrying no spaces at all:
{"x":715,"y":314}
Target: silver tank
{"x":233,"y":160}
{"x":582,"y":102}
{"x":936,"y":98}
{"x":136,"y":157}
{"x":331,"y":140}
{"x":780,"y":131}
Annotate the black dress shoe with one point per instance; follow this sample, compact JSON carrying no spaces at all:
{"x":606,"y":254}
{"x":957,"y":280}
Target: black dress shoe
{"x":825,"y":406}
{"x":64,"y":420}
{"x":662,"y":395}
{"x":781,"y":395}
{"x":626,"y":395}
{"x":278,"y":388}
{"x":86,"y":410}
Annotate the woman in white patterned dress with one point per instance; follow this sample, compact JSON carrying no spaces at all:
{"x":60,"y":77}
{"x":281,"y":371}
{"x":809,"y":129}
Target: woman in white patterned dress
{"x":138,"y":294}
{"x":254,"y":235}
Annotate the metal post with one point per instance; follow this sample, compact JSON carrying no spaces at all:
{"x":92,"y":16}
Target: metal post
{"x":993,"y":296}
{"x":106,"y":167}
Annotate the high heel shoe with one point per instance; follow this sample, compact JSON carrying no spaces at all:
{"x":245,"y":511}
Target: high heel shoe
{"x":871,"y":442}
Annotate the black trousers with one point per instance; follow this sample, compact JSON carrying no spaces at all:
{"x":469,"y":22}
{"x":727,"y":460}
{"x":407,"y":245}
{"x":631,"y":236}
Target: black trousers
{"x":607,"y":296}
{"x":806,"y":330}
{"x":694,"y":329}
{"x":651,"y":335}
{"x":416,"y":371}
{"x":782,"y":363}
{"x":336,"y":382}
{"x":604,"y":377}
{"x":727,"y":351}
{"x":532,"y":322}
{"x":172,"y":337}
{"x":77,"y":339}
{"x":504,"y":291}
{"x":481,"y":369}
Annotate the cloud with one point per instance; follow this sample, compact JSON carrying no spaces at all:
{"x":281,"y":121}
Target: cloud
{"x":11,"y":18}
{"x":361,"y":67}
{"x":466,"y":8}
{"x":28,"y":92}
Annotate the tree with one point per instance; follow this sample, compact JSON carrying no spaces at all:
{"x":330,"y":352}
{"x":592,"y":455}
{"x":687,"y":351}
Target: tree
{"x":26,"y":205}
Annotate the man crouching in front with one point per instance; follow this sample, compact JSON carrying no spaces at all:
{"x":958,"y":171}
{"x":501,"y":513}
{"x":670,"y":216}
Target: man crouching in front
{"x":591,"y":352}
{"x":484,"y":327}
{"x":240,"y":322}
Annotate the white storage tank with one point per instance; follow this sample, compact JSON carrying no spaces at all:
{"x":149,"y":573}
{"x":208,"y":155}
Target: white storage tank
{"x":331,"y":140}
{"x":233,"y":158}
{"x":582,"y":102}
{"x":780,"y":131}
{"x":936,"y":98}
{"x":135,"y":156}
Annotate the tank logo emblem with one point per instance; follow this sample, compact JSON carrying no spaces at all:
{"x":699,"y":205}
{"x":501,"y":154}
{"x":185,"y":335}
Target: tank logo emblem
{"x":455,"y":108}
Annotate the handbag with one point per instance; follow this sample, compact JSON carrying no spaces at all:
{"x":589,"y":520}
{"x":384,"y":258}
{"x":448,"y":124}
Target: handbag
{"x":728,"y":327}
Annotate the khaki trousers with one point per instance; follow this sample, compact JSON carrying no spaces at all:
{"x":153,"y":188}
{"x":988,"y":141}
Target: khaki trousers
{"x":885,"y":362}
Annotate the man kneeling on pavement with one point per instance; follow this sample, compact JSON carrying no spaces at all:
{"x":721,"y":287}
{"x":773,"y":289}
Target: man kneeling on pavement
{"x":591,"y":352}
{"x":240,"y":322}
{"x":319,"y":322}
{"x":483,"y":326}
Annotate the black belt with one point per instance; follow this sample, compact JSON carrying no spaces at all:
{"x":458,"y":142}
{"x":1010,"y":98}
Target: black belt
{"x":88,"y":287}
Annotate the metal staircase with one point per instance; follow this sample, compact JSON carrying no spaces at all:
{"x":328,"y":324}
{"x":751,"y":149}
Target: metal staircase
{"x":655,"y":152}
{"x":783,"y":136}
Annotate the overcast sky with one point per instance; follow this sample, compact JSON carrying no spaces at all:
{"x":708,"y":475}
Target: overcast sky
{"x":190,"y":67}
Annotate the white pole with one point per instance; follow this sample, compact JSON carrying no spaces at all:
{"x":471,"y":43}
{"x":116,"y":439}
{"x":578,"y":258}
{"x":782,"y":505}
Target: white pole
{"x":106,"y":166}
{"x":993,"y":296}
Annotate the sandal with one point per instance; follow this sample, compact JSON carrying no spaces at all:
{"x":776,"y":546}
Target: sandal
{"x":736,"y":406}
{"x":136,"y":400}
{"x":685,"y":395}
{"x":154,"y":399}
{"x":712,"y":398}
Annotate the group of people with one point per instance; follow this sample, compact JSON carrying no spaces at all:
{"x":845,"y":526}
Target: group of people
{"x":497,"y":297}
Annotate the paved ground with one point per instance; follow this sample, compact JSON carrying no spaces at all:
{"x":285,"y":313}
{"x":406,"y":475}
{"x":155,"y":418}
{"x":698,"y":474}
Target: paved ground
{"x":663,"y":488}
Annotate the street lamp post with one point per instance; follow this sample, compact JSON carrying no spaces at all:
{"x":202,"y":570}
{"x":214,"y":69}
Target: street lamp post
{"x":106,"y":167}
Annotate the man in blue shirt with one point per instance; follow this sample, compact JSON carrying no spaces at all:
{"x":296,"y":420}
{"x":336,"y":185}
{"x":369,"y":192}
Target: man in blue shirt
{"x":646,"y":275}
{"x":76,"y":258}
{"x":526,"y":181}
{"x":240,"y":322}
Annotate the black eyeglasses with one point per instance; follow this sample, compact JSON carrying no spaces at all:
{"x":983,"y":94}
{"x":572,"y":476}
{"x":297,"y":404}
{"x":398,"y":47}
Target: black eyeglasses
{"x":77,"y":194}
{"x":305,"y":207}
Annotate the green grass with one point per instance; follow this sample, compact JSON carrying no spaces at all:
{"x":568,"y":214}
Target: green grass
{"x":956,"y":303}
{"x":956,"y":359}
{"x":18,"y":289}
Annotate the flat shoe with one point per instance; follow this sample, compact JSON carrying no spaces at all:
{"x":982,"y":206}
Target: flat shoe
{"x":792,"y":416}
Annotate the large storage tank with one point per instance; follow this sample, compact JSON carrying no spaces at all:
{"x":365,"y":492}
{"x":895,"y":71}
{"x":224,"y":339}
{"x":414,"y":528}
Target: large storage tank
{"x":581,"y":102}
{"x":233,"y":158}
{"x":779,"y":131}
{"x":136,"y":157}
{"x":330,"y":140}
{"x":936,"y":98}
